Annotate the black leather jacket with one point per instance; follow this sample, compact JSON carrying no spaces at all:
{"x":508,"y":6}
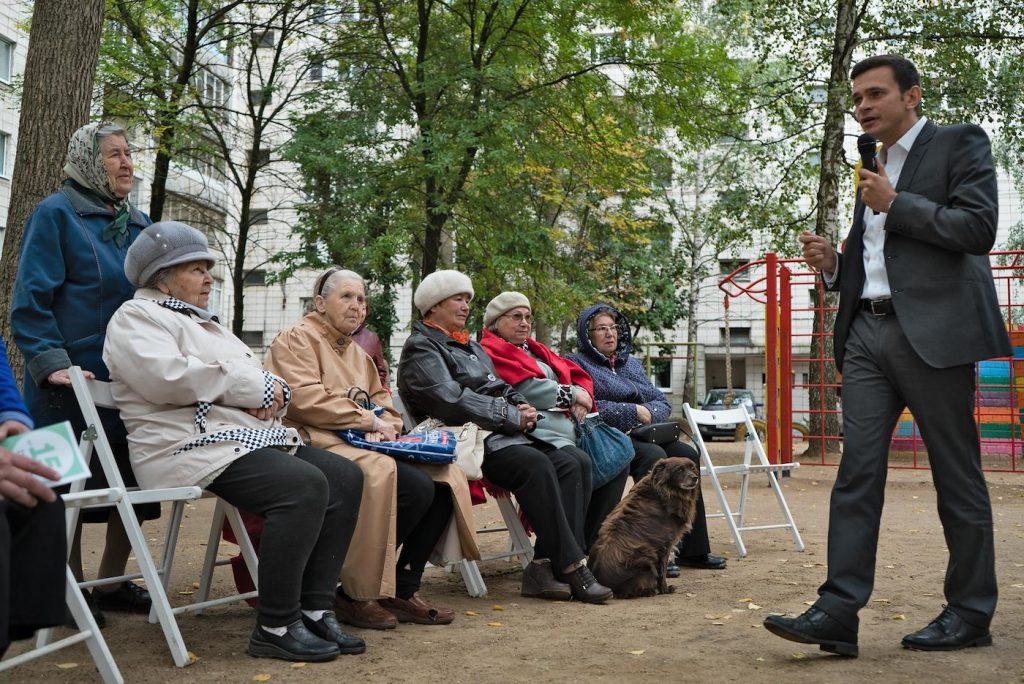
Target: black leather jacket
{"x":456,"y":383}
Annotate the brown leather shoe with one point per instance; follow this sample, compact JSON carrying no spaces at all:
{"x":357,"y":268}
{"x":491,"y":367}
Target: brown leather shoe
{"x":418,"y":611}
{"x":366,"y":614}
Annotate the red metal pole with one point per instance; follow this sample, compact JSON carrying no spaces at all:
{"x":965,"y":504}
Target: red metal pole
{"x":785,"y":365}
{"x":771,"y":346}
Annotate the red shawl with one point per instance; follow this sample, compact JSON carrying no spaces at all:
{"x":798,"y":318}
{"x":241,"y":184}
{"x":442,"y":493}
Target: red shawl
{"x":514,"y":365}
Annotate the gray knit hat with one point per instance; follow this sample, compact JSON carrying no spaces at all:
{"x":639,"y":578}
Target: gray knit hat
{"x":506,"y":301}
{"x":439,"y":286}
{"x":163,"y":244}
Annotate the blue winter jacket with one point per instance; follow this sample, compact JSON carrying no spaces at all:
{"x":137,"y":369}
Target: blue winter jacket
{"x":620,"y":382}
{"x":11,"y":405}
{"x":69,"y":283}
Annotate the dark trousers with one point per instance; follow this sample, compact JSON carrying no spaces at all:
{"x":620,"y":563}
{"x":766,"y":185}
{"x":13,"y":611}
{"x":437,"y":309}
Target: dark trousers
{"x":309,"y":503}
{"x":33,"y":562}
{"x":882,"y":374}
{"x":553,"y":487}
{"x":646,"y":454}
{"x":424,"y":509}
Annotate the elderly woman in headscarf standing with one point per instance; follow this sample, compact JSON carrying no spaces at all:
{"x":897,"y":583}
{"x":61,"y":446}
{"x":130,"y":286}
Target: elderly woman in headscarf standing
{"x":70,"y":282}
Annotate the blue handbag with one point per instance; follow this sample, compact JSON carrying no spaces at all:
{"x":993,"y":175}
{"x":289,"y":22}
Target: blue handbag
{"x":434,"y":447}
{"x":610,"y":450}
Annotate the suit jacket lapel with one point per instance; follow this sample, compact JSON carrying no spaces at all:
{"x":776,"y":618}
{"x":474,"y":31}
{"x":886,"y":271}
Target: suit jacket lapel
{"x":915,"y":156}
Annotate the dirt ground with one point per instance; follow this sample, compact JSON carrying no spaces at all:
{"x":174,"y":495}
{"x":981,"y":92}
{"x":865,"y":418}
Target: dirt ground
{"x":708,"y":631}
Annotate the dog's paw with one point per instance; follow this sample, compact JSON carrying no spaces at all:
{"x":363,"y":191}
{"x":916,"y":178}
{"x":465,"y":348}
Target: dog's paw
{"x":670,"y":589}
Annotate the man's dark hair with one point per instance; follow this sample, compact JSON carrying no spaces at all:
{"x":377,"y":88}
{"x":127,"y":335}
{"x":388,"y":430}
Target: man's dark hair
{"x":903,"y":70}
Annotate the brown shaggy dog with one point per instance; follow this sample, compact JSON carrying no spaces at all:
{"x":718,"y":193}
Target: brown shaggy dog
{"x":638,"y":538}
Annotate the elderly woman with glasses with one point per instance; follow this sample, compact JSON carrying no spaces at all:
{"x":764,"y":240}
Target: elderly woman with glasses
{"x":558,"y":387}
{"x":404,"y":504}
{"x":445,"y":375}
{"x":627,"y":399}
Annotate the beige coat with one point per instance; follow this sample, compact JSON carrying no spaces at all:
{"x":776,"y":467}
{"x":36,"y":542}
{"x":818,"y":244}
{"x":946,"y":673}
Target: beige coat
{"x":161,"y":364}
{"x":321,"y":365}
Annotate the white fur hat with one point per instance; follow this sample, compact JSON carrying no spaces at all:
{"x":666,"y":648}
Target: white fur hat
{"x":439,"y":286}
{"x":506,"y":301}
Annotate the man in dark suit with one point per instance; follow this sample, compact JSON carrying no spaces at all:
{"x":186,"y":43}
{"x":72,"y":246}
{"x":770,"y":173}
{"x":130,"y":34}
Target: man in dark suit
{"x":917,"y":308}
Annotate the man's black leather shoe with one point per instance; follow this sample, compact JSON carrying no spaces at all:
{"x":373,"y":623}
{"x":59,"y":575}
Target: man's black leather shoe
{"x":815,"y":626}
{"x":948,"y":632}
{"x":297,"y":644}
{"x":328,"y":629}
{"x":704,"y":562}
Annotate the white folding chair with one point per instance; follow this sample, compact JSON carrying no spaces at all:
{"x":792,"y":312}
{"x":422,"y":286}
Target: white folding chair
{"x":519,"y":541}
{"x":88,"y":631}
{"x":518,"y":547}
{"x":752,"y":446}
{"x":91,"y":394}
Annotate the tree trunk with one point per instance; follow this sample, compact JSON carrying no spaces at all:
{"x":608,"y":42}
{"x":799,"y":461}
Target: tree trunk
{"x":821,"y":395}
{"x":161,"y":165}
{"x":62,"y":52}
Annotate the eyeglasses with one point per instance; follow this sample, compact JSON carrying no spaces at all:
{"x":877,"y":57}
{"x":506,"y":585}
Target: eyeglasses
{"x":518,"y":318}
{"x":604,"y":329}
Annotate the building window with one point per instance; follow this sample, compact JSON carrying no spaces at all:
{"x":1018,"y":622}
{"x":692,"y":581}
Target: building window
{"x":316,"y":69}
{"x":253,"y":338}
{"x":216,"y":296}
{"x":6,"y":60}
{"x":727,"y":266}
{"x":259,"y":217}
{"x":262,"y":157}
{"x":661,"y":169}
{"x":661,"y":372}
{"x":135,"y":196}
{"x":739,"y":336}
{"x":5,"y":142}
{"x":609,"y":47}
{"x":264,"y":39}
{"x":259,"y":97}
{"x":256,"y":277}
{"x":212,"y":90}
{"x":350,"y":11}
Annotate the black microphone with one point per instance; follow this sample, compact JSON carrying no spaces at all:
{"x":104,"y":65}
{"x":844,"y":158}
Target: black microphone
{"x":867,"y":145}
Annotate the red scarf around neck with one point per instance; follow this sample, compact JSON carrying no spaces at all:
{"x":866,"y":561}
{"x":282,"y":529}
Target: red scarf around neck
{"x":514,"y":365}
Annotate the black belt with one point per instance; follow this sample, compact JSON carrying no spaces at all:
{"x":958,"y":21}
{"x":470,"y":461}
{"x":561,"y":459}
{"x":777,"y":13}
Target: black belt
{"x":878,"y":307}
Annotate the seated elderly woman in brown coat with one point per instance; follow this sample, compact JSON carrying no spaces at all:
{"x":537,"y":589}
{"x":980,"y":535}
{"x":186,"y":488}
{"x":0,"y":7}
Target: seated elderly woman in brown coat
{"x":403,"y":504}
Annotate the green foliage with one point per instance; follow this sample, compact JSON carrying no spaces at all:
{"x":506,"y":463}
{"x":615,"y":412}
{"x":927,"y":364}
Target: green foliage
{"x":514,"y":140}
